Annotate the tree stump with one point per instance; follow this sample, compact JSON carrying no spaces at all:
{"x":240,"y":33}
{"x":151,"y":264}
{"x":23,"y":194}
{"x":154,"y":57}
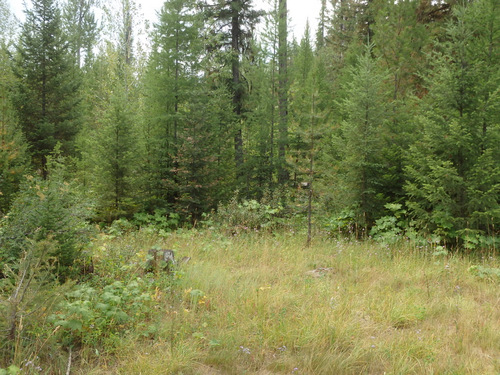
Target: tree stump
{"x":160,"y":260}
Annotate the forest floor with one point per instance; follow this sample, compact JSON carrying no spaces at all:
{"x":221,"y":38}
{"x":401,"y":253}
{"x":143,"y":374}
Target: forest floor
{"x":265,"y":304}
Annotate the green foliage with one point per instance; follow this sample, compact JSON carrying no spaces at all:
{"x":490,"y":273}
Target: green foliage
{"x":54,"y":208}
{"x":160,"y":220}
{"x":389,"y":229}
{"x":80,"y":25}
{"x":47,"y":96}
{"x":185,"y":133}
{"x":453,"y":175}
{"x":109,"y":146}
{"x":100,"y":317}
{"x":343,"y":224}
{"x":14,"y":157}
{"x":249,"y":215}
{"x":11,"y":370}
{"x":361,"y":141}
{"x":120,"y":227}
{"x":486,"y":273}
{"x":28,"y":292}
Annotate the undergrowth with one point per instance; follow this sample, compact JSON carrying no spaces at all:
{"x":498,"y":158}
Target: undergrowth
{"x":260,"y":303}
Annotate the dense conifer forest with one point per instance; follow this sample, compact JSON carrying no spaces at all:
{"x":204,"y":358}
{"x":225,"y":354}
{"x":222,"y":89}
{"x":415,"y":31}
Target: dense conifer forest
{"x":391,"y":110}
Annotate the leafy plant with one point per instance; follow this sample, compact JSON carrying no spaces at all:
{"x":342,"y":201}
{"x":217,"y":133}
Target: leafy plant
{"x":388,"y":229}
{"x":487,"y":273}
{"x":249,"y":215}
{"x":343,"y":224}
{"x":160,"y":220}
{"x":54,"y":208}
{"x":90,"y":317}
{"x":11,"y":370}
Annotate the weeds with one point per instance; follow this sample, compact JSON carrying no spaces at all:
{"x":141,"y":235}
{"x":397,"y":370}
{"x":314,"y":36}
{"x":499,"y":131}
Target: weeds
{"x":249,"y":304}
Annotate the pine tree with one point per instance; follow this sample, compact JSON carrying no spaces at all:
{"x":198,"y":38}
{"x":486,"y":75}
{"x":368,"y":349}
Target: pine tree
{"x":171,"y":82}
{"x":453,"y":172}
{"x":47,"y":96}
{"x":302,"y":90}
{"x":13,"y":147}
{"x":109,"y":146}
{"x":7,"y":23}
{"x":202,"y":162}
{"x":80,"y":25}
{"x":401,"y":43}
{"x":322,"y":26}
{"x":361,"y":141}
{"x":283,"y":174}
{"x":235,"y":21}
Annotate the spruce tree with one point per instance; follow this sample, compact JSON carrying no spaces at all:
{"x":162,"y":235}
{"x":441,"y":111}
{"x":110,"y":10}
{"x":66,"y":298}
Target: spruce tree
{"x":47,"y":97}
{"x":362,"y":141}
{"x":453,"y":172}
{"x":13,"y":148}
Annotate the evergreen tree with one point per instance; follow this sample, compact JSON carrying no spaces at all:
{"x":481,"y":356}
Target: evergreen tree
{"x":202,"y":161}
{"x":401,"y":43}
{"x":13,"y":147}
{"x":80,"y":25}
{"x":171,"y":82}
{"x":361,"y":142}
{"x":47,"y":95}
{"x":264,"y":118}
{"x":453,"y":173}
{"x":109,"y":147}
{"x":322,"y":26}
{"x":283,"y":90}
{"x":7,"y":23}
{"x":235,"y":22}
{"x":302,"y":90}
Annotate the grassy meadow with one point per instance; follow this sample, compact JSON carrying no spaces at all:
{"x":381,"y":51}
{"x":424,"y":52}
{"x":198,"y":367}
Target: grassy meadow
{"x":264,"y":304}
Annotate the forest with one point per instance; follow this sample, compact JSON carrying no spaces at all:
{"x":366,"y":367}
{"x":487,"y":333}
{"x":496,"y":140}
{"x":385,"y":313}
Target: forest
{"x":390,"y":111}
{"x":211,"y":125}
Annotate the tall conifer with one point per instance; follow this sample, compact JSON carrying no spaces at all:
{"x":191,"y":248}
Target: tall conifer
{"x":47,"y":97}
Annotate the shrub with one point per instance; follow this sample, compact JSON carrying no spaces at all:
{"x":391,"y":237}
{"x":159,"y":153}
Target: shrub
{"x":93,"y":317}
{"x":249,"y":215}
{"x":343,"y":224}
{"x":160,"y":220}
{"x":54,"y":207}
{"x":389,"y":229}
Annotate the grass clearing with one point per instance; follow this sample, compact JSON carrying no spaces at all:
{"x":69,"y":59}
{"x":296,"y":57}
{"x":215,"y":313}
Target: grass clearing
{"x":262,"y":304}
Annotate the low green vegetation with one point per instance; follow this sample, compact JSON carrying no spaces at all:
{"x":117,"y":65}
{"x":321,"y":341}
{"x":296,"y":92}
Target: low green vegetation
{"x":256,"y":302}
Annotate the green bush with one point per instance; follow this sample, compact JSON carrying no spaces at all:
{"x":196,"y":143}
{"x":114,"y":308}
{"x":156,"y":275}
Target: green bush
{"x":389,"y":229}
{"x":160,"y":220}
{"x":249,"y":215}
{"x":54,"y":208}
{"x":94,"y":317}
{"x":343,"y":224}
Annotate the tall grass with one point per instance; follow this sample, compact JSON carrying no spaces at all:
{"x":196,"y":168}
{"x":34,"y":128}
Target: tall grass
{"x":250,"y":305}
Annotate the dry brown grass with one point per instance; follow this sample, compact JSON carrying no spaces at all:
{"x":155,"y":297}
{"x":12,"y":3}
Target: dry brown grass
{"x":375,"y":311}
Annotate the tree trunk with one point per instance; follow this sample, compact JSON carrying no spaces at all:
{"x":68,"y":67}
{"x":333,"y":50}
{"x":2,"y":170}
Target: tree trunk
{"x":237,"y":94}
{"x":283,"y":175}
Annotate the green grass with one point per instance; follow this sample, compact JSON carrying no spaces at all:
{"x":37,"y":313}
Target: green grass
{"x":377,"y":310}
{"x":247,"y":305}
